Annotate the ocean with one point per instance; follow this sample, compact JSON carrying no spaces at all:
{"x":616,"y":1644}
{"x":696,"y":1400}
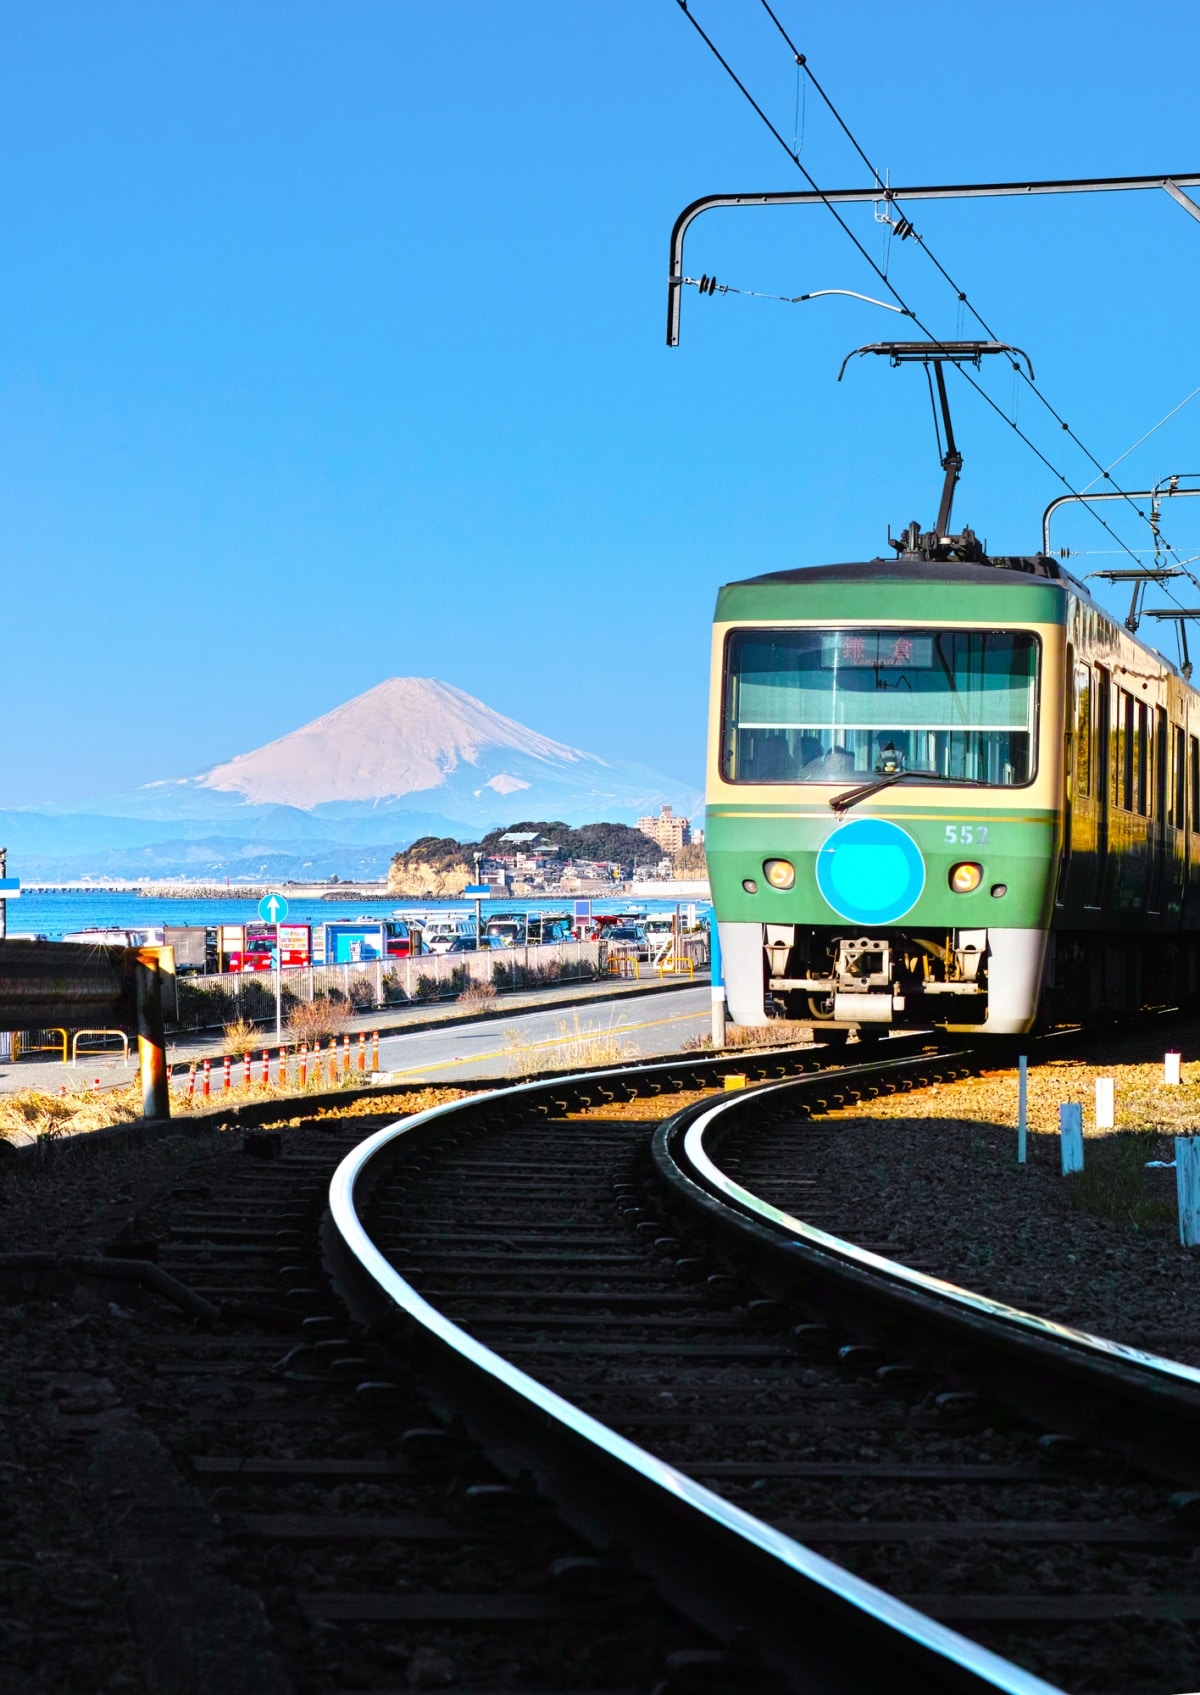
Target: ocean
{"x":54,"y":914}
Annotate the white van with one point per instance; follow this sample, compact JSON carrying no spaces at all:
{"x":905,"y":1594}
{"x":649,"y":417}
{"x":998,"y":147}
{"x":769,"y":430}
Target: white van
{"x":443,"y":929}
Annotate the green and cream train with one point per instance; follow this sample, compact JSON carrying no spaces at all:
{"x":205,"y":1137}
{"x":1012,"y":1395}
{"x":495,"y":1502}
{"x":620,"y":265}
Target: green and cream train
{"x":954,"y":794}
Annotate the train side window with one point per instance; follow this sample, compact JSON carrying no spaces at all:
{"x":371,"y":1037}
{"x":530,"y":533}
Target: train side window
{"x":1107,"y":730}
{"x":1160,"y":800}
{"x":1083,"y":730}
{"x":1179,"y":809}
{"x":1142,"y":759}
{"x":1125,"y":750}
{"x":1194,"y":773}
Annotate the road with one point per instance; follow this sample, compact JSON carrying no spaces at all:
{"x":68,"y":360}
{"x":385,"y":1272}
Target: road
{"x":634,"y":1027}
{"x":628,"y":1026}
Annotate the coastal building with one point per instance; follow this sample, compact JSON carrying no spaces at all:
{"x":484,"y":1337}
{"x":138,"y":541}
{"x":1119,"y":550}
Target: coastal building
{"x":669,"y":832}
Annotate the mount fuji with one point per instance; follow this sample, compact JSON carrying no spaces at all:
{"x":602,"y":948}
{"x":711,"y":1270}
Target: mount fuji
{"x":410,"y":757}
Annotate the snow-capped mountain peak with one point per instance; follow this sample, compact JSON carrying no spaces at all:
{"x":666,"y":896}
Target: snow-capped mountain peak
{"x":402,"y":737}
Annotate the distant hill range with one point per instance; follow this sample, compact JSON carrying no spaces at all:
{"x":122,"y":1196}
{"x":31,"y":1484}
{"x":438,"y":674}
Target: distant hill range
{"x":411,"y":757}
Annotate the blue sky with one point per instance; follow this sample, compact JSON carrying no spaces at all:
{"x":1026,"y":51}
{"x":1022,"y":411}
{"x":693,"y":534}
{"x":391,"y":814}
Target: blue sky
{"x":331,"y":344}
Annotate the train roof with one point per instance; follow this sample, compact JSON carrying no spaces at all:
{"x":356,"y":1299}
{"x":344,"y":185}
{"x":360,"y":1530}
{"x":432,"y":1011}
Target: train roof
{"x":892,"y":570}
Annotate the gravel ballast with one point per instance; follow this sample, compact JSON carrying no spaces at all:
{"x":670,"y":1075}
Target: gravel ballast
{"x":934,"y":1173}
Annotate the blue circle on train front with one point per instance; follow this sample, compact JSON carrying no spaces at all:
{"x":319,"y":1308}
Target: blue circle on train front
{"x":871,"y":871}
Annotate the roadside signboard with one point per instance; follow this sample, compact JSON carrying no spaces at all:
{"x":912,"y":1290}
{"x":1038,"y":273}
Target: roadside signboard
{"x":478,"y":892}
{"x":294,"y":939}
{"x":10,"y":888}
{"x":583,"y":909}
{"x":273,"y":907}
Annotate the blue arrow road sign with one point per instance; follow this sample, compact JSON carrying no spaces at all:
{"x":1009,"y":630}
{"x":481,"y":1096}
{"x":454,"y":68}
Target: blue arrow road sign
{"x":273,"y":908}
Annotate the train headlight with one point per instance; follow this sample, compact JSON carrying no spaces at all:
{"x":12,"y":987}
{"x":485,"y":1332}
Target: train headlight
{"x":965,"y":878}
{"x":780,"y":873}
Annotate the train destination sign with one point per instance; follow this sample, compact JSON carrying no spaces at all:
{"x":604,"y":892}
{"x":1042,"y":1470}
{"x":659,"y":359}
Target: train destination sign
{"x":887,"y":649}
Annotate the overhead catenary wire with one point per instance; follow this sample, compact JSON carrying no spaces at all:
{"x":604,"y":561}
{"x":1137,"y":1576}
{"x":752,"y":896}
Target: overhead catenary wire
{"x":710,"y":285}
{"x":1165,"y":419}
{"x":905,"y":229}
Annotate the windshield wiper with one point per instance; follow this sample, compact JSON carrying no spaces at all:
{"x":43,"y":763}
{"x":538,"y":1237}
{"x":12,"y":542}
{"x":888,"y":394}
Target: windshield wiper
{"x":851,"y":797}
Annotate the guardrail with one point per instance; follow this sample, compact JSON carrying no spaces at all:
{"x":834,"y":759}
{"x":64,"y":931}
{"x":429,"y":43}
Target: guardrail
{"x":65,"y":985}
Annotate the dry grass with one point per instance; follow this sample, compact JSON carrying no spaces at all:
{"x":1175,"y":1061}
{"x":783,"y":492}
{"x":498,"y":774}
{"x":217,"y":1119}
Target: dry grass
{"x":477,"y":997}
{"x":576,"y":1047}
{"x":241,"y":1037}
{"x":34,"y":1112}
{"x":316,"y":1020}
{"x":779,"y":1033}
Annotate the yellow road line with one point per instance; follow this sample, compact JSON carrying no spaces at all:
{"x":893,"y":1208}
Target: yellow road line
{"x":552,"y":1042}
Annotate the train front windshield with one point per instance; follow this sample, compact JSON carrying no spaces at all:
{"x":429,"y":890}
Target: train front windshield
{"x":817,"y":706}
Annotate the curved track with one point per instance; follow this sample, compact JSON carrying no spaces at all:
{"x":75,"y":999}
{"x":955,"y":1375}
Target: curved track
{"x":763,"y":1415}
{"x":578,"y":1386}
{"x":548,"y":1301}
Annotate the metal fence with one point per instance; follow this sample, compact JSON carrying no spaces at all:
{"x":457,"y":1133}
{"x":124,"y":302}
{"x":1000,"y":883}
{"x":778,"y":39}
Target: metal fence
{"x":222,"y":997}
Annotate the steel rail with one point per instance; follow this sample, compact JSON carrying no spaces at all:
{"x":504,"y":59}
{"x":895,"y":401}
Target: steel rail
{"x":1069,"y":1380}
{"x":823,"y":1629}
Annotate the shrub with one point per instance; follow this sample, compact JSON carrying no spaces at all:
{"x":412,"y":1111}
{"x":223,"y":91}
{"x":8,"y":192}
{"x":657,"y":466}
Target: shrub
{"x":477,"y":997}
{"x":257,"y":999}
{"x":314,"y":1020}
{"x":362,"y":992}
{"x":200,"y":1005}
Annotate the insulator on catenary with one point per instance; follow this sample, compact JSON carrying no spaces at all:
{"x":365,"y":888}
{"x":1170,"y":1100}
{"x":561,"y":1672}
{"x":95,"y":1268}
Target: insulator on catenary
{"x":904,"y":229}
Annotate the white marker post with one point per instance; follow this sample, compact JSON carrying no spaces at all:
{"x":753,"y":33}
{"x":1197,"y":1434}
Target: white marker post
{"x":1105,"y":1103}
{"x":1022,"y":1106}
{"x":1187,"y":1188}
{"x":1171,"y":1067}
{"x":1070,"y":1136}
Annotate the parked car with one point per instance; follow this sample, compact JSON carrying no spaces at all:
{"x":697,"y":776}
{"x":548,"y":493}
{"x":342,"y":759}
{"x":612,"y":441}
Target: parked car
{"x":467,"y":944}
{"x":505,"y":932}
{"x":446,"y":941}
{"x":630,"y":940}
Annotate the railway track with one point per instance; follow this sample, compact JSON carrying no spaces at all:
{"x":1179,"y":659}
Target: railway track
{"x":559,"y":1398}
{"x":996,"y":1474}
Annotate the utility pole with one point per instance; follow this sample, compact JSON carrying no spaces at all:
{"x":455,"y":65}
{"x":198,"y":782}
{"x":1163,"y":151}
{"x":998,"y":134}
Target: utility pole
{"x":3,"y":903}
